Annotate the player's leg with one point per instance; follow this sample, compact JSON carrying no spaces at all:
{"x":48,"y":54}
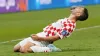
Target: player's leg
{"x":29,"y":47}
{"x":40,"y":49}
{"x":20,"y":44}
{"x":17,"y":47}
{"x":26,"y":47}
{"x":34,"y":46}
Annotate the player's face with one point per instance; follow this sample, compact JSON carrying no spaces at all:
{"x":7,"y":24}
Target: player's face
{"x":78,"y":11}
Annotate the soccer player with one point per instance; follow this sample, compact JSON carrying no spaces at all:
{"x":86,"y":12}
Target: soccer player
{"x":43,"y":41}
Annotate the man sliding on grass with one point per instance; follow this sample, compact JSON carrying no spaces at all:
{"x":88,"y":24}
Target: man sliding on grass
{"x":43,"y":41}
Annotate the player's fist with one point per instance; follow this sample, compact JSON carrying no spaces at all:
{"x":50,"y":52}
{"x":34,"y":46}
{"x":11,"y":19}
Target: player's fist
{"x":34,"y":37}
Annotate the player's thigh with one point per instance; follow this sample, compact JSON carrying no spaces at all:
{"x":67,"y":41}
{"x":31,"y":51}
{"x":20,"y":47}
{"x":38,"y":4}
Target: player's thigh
{"x":28,"y":44}
{"x":26,"y":47}
{"x":28,"y":40}
{"x":20,"y":44}
{"x":23,"y":42}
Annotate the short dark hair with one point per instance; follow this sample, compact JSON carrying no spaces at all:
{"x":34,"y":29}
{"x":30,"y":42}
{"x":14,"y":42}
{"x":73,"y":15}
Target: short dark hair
{"x":84,"y":16}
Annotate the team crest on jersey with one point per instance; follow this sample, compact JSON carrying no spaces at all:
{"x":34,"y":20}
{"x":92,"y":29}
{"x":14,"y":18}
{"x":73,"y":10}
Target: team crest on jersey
{"x":64,"y":32}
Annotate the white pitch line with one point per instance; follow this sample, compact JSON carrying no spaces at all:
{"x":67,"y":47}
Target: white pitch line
{"x":87,"y":28}
{"x":75,"y":30}
{"x":10,"y":41}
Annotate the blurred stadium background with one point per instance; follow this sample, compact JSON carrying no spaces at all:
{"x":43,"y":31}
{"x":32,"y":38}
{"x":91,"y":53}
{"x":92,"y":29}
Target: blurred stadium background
{"x":16,"y":24}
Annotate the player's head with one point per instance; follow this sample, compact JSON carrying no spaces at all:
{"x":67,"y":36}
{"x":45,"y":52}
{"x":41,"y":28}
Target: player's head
{"x":80,"y":12}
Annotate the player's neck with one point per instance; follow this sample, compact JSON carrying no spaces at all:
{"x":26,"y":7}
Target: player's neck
{"x":72,"y":18}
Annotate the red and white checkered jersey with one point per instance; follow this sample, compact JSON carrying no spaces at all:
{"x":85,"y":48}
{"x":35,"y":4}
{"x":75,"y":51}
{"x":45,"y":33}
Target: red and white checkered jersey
{"x":63,"y":28}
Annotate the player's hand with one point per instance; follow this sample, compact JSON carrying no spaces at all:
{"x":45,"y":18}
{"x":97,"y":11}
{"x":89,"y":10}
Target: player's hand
{"x":34,"y":37}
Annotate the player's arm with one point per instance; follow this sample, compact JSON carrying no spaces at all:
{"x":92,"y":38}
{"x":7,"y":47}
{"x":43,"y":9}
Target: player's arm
{"x":50,"y":38}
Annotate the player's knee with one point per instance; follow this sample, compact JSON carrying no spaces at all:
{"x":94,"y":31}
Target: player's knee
{"x":16,"y":49}
{"x":23,"y":50}
{"x":29,"y":50}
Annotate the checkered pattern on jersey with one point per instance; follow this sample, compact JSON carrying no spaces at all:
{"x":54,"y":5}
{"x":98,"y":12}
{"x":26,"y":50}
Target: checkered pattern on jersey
{"x":67,"y":28}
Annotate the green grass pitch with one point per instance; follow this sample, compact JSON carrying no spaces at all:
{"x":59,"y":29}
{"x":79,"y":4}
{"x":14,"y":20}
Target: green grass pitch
{"x":20,"y":25}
